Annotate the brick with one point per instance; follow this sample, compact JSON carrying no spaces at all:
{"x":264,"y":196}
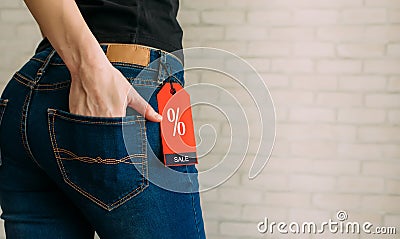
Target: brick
{"x":363,"y":16}
{"x":312,"y":114}
{"x":287,"y":199}
{"x":292,"y":65}
{"x":361,"y":116}
{"x":385,"y":203}
{"x":296,"y":164}
{"x":316,"y":132}
{"x":16,"y":16}
{"x":394,"y":117}
{"x":339,"y":99}
{"x":235,"y":46}
{"x":360,"y":215}
{"x":381,"y":168}
{"x":220,"y":211}
{"x":313,"y":149}
{"x":382,"y":100}
{"x":260,"y":64}
{"x":359,"y":151}
{"x":392,"y":186}
{"x":29,"y":31}
{"x":285,"y":97}
{"x":222,"y":17}
{"x":394,"y":15}
{"x":238,"y":229}
{"x":382,"y":66}
{"x":308,"y":215}
{"x":362,"y":83}
{"x":341,"y":33}
{"x":211,"y":227}
{"x":189,"y":17}
{"x":271,"y":18}
{"x":204,"y":32}
{"x":218,"y":177}
{"x":292,"y":34}
{"x":315,"y":17}
{"x":210,"y":195}
{"x":392,"y":220}
{"x":240,"y":4}
{"x":245,"y":32}
{"x":306,"y":3}
{"x":390,"y":150}
{"x":189,"y":43}
{"x":357,"y":184}
{"x":242,"y":196}
{"x":258,"y":212}
{"x":335,"y":201}
{"x":275,"y":80}
{"x":335,"y":167}
{"x":379,"y":134}
{"x":393,"y":84}
{"x":339,"y":66}
{"x":9,"y":4}
{"x":393,"y":49}
{"x":11,"y":34}
{"x":311,"y":183}
{"x":270,"y":182}
{"x":281,"y":114}
{"x":314,"y":49}
{"x":383,"y":3}
{"x":267,"y":48}
{"x":382,"y":33}
{"x":314,"y":82}
{"x":360,"y":50}
{"x":203,"y":5}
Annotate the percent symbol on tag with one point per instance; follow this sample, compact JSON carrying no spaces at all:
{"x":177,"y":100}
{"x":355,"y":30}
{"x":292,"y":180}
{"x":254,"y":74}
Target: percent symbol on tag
{"x":172,"y":116}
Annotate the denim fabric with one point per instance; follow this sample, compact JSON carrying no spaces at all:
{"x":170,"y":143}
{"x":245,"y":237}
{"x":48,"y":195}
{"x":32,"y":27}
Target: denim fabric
{"x":64,"y":175}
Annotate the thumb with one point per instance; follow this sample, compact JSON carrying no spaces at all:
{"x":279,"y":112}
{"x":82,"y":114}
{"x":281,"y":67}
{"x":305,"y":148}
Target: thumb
{"x":139,"y":104}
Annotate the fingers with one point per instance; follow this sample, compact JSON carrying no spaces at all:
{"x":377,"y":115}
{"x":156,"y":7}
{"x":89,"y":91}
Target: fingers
{"x":137,"y":102}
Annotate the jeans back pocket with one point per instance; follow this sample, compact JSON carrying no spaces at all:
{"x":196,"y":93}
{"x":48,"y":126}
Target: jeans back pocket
{"x":103,"y":158}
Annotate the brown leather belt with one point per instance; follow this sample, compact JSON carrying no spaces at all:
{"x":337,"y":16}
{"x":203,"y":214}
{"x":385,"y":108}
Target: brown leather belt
{"x":131,"y":53}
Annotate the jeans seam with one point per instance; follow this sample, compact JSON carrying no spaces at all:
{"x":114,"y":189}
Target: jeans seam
{"x":25,"y":107}
{"x":195,"y":216}
{"x":23,"y":128}
{"x":193,"y":205}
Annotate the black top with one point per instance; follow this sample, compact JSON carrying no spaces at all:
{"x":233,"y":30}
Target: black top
{"x":147,"y":22}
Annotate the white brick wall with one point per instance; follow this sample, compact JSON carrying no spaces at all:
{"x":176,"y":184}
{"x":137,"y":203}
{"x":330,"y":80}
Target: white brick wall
{"x":332,"y":67}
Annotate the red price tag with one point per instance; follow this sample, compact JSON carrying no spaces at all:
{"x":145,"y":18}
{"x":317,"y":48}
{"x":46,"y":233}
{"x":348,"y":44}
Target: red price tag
{"x":177,"y":131}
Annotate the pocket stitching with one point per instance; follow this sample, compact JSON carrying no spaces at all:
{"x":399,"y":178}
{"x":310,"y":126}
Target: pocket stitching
{"x":51,"y":114}
{"x":99,"y":120}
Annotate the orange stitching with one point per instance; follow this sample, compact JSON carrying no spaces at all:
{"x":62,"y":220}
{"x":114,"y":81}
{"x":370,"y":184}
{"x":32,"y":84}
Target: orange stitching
{"x":37,"y":59}
{"x":23,"y":77}
{"x":95,"y":122}
{"x":19,"y":81}
{"x":99,"y":159}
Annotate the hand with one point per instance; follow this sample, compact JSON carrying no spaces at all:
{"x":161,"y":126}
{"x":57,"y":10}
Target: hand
{"x":104,"y":91}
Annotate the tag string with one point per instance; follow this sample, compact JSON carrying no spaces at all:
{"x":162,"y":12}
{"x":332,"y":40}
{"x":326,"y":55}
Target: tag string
{"x":172,"y":90}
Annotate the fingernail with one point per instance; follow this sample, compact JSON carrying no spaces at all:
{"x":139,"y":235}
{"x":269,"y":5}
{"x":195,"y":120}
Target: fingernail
{"x":159,"y":117}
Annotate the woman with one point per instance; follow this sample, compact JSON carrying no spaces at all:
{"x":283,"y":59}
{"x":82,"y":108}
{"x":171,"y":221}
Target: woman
{"x":72,"y":160}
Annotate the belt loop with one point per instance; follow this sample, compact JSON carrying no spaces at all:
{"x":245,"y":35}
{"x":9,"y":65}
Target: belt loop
{"x":162,"y":73}
{"x":43,"y":68}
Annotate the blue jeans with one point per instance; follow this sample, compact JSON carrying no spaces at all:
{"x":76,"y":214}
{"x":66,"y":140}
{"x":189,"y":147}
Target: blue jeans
{"x":65,"y":176}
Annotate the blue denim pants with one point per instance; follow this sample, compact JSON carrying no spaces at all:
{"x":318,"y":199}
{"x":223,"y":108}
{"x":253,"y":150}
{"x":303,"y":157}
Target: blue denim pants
{"x":65,"y":176}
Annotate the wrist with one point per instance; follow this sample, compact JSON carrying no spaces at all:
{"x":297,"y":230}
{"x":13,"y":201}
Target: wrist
{"x":85,"y":57}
